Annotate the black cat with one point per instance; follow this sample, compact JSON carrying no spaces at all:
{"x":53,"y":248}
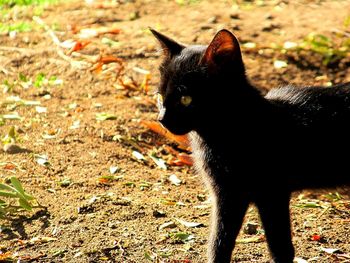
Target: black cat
{"x":252,"y":148}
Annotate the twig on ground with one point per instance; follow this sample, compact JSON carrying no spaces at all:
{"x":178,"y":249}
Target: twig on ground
{"x":57,"y":42}
{"x":336,"y":30}
{"x":18,"y":49}
{"x":5,"y":71}
{"x":48,"y":30}
{"x":323,"y":212}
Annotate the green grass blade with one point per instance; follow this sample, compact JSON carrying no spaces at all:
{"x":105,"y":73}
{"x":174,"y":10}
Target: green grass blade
{"x":13,"y":191}
{"x":7,"y":188}
{"x":8,"y":194}
{"x":25,"y":204}
{"x":17,"y":185}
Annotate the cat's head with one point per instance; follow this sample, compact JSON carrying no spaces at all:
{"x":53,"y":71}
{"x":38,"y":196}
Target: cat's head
{"x":192,"y":78}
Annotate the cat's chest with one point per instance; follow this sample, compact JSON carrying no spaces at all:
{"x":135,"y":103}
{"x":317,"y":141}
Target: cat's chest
{"x":220,"y":161}
{"x":200,"y":154}
{"x":208,"y":162}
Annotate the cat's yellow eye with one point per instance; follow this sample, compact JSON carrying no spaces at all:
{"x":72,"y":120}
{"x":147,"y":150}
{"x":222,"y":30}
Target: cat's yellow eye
{"x":186,"y":100}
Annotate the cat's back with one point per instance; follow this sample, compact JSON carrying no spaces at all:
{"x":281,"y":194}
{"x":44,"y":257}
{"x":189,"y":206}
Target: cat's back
{"x":314,"y":106}
{"x":303,"y":95}
{"x":313,"y":128}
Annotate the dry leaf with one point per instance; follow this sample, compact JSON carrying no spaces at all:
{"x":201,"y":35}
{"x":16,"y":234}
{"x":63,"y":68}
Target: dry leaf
{"x":182,"y":159}
{"x":188,"y":224}
{"x":107,"y":60}
{"x":330,"y":250}
{"x":40,"y":109}
{"x":299,"y":260}
{"x":158,"y":161}
{"x":40,"y":240}
{"x":6,"y":257}
{"x":155,"y":126}
{"x":174,"y":180}
{"x":9,"y":166}
{"x":290,"y":45}
{"x":254,"y":239}
{"x":146,"y":79}
{"x":280,"y":64}
{"x":86,"y":33}
{"x":138,"y":156}
{"x":170,"y":224}
{"x":78,"y":45}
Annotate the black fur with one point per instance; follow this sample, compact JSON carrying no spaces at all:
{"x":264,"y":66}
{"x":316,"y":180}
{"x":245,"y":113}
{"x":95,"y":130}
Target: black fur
{"x":251,"y":148}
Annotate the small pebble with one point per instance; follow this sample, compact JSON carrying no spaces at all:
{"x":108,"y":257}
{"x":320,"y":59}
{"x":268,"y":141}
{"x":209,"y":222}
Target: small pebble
{"x":213,"y":20}
{"x":269,"y":17}
{"x":270,"y":26}
{"x":250,"y":228}
{"x":158,"y":214}
{"x":12,"y":148}
{"x":205,"y":27}
{"x":235,"y":16}
{"x":18,"y":129}
{"x":236,"y":28}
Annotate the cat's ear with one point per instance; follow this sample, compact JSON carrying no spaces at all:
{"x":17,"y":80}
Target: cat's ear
{"x":223,"y":49}
{"x":170,"y":47}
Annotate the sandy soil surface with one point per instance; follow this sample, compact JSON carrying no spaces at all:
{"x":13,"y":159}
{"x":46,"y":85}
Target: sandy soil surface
{"x":108,"y":197}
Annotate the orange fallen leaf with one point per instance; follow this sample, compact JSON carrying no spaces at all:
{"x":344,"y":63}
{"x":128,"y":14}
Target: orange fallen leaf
{"x":171,"y":150}
{"x":109,"y":31}
{"x":127,"y":83}
{"x":254,"y":239}
{"x":79,"y":109}
{"x":179,"y":159}
{"x":316,"y":238}
{"x":97,"y":68}
{"x":106,"y":60}
{"x":52,"y":132}
{"x":73,"y":28}
{"x":103,"y":180}
{"x":85,"y":33}
{"x":156,"y":127}
{"x":145,"y":82}
{"x":184,"y":158}
{"x":146,"y":78}
{"x":9,"y":166}
{"x":21,"y":242}
{"x":110,"y":59}
{"x":79,"y":45}
{"x":7,"y":256}
{"x":177,"y":162}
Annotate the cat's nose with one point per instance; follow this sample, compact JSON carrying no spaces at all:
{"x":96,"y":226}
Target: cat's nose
{"x":161,"y":114}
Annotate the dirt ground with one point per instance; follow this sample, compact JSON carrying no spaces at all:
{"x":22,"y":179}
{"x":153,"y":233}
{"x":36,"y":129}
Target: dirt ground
{"x":104,"y":201}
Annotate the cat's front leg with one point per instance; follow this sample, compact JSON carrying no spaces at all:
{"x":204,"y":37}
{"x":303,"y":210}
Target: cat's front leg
{"x":227,"y":216}
{"x":274,"y":213}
